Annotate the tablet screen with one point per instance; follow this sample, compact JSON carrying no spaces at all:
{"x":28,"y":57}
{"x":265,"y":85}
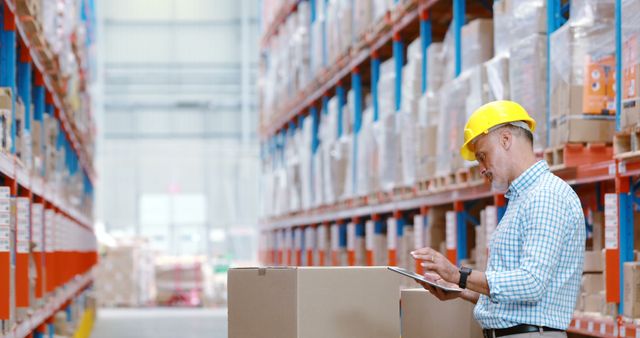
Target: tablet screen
{"x":422,"y":279}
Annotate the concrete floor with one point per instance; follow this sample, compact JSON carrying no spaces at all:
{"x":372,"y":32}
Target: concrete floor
{"x":160,"y":323}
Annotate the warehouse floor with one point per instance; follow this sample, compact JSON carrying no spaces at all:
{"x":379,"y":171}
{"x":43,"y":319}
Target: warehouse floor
{"x":160,"y":323}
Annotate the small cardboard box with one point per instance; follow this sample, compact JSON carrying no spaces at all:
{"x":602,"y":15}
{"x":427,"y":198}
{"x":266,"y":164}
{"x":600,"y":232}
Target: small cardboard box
{"x":592,"y":283}
{"x":423,"y":315}
{"x":593,"y":261}
{"x":477,"y":43}
{"x":574,"y":129}
{"x":594,"y":303}
{"x":632,"y":289}
{"x":310,"y":302}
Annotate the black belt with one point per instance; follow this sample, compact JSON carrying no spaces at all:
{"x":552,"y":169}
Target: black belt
{"x":522,"y":328}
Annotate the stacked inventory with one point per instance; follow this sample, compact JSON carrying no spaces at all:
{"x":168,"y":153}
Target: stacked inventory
{"x":583,"y":75}
{"x":126,"y":276}
{"x":47,"y":244}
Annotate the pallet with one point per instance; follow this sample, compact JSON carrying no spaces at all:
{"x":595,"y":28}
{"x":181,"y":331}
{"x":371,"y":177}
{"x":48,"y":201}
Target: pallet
{"x":626,"y":144}
{"x":442,"y":182}
{"x":404,"y":192}
{"x":576,"y":154}
{"x":469,"y":176}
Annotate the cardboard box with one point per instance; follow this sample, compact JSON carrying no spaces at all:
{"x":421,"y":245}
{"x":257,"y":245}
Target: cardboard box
{"x":313,"y":302}
{"x":594,"y":303}
{"x":632,"y":289}
{"x":6,"y":118}
{"x":477,"y":43}
{"x":578,"y":129}
{"x":630,"y":116}
{"x":593,"y":261}
{"x":592,"y":283}
{"x":631,"y":68}
{"x":423,"y":315}
{"x":597,"y":219}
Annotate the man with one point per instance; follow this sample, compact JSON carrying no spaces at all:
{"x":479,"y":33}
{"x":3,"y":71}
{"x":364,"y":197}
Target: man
{"x":537,"y":250}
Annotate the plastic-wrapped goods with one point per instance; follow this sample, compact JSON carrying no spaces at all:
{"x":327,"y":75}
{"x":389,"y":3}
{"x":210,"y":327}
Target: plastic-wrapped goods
{"x":428,"y":108}
{"x":317,"y":176}
{"x":448,"y":56}
{"x":630,"y":63}
{"x":477,"y":43}
{"x":582,"y":67}
{"x":304,"y":150}
{"x":435,"y":60}
{"x":528,"y":81}
{"x":583,"y":75}
{"x":389,"y":152}
{"x":362,"y":17}
{"x":367,"y":156}
{"x":347,"y":146}
{"x":339,"y":28}
{"x":498,"y":78}
{"x":408,"y":133}
{"x":328,"y":135}
{"x":477,"y":96}
{"x":380,"y":8}
{"x":515,"y":19}
{"x":426,"y":151}
{"x":412,"y":78}
{"x":386,"y":89}
{"x":451,"y":125}
{"x":292,"y":183}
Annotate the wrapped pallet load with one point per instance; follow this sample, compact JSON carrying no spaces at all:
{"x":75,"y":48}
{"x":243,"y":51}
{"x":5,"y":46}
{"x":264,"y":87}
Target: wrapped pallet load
{"x":497,"y":71}
{"x":630,"y":63}
{"x":582,"y":75}
{"x":385,"y":129}
{"x":411,"y":93}
{"x":451,"y":122}
{"x":528,"y":81}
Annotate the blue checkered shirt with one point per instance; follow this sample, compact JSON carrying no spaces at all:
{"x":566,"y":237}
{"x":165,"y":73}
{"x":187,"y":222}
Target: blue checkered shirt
{"x":536,"y":255}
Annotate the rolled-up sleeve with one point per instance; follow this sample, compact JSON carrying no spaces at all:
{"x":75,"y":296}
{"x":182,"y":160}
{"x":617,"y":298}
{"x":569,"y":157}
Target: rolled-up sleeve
{"x":545,"y":227}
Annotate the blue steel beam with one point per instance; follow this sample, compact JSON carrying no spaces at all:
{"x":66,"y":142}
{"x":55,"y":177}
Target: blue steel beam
{"x":458,"y":21}
{"x":341,"y":102}
{"x":398,"y":57}
{"x":375,"y":77}
{"x":425,"y":40}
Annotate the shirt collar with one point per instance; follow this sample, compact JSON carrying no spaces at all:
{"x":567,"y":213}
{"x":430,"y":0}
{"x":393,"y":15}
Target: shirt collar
{"x":527,"y":179}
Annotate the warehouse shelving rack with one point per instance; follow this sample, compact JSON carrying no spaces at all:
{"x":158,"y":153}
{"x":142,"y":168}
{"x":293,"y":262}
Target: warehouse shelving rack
{"x":25,"y":67}
{"x":592,"y":176}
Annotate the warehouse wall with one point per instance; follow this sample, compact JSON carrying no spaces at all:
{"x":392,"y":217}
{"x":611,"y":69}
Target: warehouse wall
{"x":178,"y":154}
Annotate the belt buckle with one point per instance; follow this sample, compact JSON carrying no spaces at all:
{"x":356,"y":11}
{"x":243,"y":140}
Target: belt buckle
{"x":488,"y":333}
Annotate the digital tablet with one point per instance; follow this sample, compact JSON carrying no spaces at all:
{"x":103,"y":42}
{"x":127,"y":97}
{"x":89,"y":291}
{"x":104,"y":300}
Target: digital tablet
{"x":422,"y":279}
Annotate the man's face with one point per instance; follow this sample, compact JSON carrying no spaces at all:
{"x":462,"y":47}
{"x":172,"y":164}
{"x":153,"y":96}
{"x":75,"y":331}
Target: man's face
{"x":492,"y":158}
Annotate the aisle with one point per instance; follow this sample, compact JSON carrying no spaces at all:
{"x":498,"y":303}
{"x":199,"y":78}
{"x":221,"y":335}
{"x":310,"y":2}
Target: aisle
{"x":160,"y":323}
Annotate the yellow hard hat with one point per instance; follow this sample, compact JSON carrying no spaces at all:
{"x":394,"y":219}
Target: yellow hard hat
{"x":488,"y":116}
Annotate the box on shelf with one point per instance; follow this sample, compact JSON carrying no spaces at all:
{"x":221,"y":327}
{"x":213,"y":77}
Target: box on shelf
{"x":582,"y":128}
{"x":632,"y":289}
{"x":497,"y":70}
{"x":630,"y":64}
{"x":451,"y":124}
{"x":426,"y":152}
{"x":594,"y":302}
{"x":313,"y":302}
{"x":423,"y":315}
{"x":477,"y":43}
{"x":593,"y":262}
{"x":435,"y":60}
{"x":592,"y":283}
{"x":515,"y":19}
{"x":6,"y":118}
{"x":528,"y":81}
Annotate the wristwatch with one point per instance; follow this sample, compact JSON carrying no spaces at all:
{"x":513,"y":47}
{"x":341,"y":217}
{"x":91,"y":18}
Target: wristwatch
{"x":464,"y":273}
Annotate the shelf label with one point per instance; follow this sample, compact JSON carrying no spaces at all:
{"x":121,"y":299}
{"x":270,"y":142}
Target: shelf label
{"x":418,"y":231}
{"x":451,"y":229}
{"x":369,"y":234}
{"x":611,"y":221}
{"x":392,"y":233}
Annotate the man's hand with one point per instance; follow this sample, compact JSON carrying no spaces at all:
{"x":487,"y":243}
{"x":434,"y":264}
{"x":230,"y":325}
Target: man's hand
{"x":435,"y":262}
{"x":437,"y":292}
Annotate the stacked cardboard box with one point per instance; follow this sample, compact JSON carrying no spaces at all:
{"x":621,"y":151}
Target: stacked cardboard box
{"x":423,"y":315}
{"x":451,"y":124}
{"x":632,"y":289}
{"x":411,"y":95}
{"x":313,"y":302}
{"x":179,"y":278}
{"x":528,"y":81}
{"x":477,"y":43}
{"x":582,"y":75}
{"x":6,"y":119}
{"x":125,"y":276}
{"x":630,"y":64}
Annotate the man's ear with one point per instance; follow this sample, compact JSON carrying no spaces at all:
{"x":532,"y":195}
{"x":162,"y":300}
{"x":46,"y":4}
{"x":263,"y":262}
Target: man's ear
{"x":506,"y":138}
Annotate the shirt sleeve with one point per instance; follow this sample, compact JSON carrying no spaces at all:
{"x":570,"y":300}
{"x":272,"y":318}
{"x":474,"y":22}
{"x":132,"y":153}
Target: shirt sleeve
{"x":546,"y":221}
